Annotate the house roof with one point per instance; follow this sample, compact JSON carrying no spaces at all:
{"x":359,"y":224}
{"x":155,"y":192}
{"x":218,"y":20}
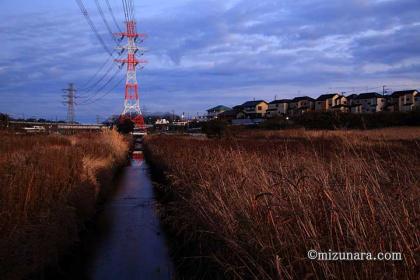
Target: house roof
{"x":403,"y":92}
{"x":301,"y":98}
{"x":326,"y":96}
{"x":369,"y":95}
{"x":252,"y":103}
{"x":352,"y":96}
{"x":280,"y":101}
{"x":219,"y":108}
{"x":229,"y":113}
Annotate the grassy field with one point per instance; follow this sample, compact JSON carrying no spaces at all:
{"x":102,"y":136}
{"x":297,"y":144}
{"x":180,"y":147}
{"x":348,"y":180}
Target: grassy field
{"x":49,"y":187}
{"x":250,"y":207}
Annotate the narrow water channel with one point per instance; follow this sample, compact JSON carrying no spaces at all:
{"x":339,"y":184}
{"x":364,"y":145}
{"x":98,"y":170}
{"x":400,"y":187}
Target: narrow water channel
{"x":127,"y":241}
{"x":132,"y":244}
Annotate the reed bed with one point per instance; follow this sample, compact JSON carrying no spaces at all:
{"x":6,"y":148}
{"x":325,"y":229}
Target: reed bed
{"x":251,"y":209}
{"x":49,"y":187}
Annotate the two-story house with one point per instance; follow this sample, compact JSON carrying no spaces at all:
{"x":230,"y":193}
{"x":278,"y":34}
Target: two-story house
{"x":254,"y":109}
{"x":213,"y":113}
{"x":354,"y":106}
{"x":300,"y":105}
{"x":369,"y":102}
{"x":278,"y":108}
{"x":324,"y":102}
{"x":230,"y":115}
{"x":404,"y":100}
{"x":340,"y":104}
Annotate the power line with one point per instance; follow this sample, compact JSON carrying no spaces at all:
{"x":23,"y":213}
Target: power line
{"x":101,"y":88}
{"x":92,"y":86}
{"x":113,"y":16}
{"x":88,"y":86}
{"x":92,"y":26}
{"x":124,"y":2}
{"x":101,"y":12}
{"x":119,"y":82}
{"x":85,"y":85}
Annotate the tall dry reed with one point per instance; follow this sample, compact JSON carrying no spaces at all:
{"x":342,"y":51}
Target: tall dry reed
{"x":49,"y":186}
{"x":252,"y":209}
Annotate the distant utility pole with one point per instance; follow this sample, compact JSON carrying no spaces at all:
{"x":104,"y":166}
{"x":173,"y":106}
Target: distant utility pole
{"x":384,"y":90}
{"x":70,"y":97}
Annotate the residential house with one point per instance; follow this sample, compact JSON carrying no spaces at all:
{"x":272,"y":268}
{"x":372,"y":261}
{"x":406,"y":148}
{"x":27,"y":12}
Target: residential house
{"x":354,"y":106}
{"x":300,"y":105}
{"x":371,"y":102}
{"x":391,"y":104}
{"x":278,"y":108}
{"x":351,"y":99}
{"x":214,"y":112}
{"x":254,"y":109}
{"x":404,"y":101}
{"x":324,"y":102}
{"x":230,"y":115}
{"x":340,"y":104}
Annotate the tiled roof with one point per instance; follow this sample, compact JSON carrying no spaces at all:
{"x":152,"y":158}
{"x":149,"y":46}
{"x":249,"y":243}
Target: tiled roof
{"x":326,"y":96}
{"x":403,"y":92}
{"x":219,"y":108}
{"x":229,"y":113}
{"x":252,"y":103}
{"x":280,"y":101}
{"x":301,"y":98}
{"x":369,"y":95}
{"x":352,"y":96}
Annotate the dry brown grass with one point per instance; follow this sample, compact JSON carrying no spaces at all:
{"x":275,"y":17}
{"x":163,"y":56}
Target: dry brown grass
{"x":254,"y":208}
{"x":49,"y":186}
{"x":393,"y":133}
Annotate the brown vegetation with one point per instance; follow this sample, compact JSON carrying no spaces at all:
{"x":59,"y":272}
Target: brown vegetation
{"x":253,"y":208}
{"x":49,"y":186}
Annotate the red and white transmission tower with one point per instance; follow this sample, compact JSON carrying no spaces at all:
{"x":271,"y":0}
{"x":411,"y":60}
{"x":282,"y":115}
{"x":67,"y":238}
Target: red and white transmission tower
{"x":131,"y":100}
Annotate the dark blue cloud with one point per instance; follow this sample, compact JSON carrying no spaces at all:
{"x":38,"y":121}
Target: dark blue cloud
{"x":208,"y":52}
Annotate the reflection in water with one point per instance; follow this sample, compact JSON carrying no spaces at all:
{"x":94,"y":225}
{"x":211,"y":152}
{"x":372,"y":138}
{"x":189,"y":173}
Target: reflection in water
{"x":132,"y":244}
{"x":137,"y":157}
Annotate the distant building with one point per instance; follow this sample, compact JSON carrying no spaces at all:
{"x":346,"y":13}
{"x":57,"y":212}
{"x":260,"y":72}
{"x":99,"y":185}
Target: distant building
{"x":324,"y":102}
{"x":214,"y":112}
{"x":278,"y":108}
{"x":229,"y":115}
{"x":371,"y":102}
{"x":254,"y":109}
{"x":300,"y":105}
{"x":331,"y":102}
{"x":356,"y":108}
{"x":404,"y":101}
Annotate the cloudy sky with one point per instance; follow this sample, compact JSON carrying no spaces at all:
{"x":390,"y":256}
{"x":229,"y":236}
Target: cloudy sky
{"x":203,"y":53}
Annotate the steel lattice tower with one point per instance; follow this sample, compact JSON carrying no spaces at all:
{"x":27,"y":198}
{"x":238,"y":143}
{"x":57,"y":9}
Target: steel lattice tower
{"x":70,"y":101}
{"x":131,"y":100}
